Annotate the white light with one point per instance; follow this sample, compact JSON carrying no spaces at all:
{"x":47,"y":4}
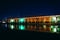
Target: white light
{"x":54,"y":18}
{"x":3,"y":22}
{"x":44,"y":26}
{"x":12,"y":26}
{"x":12,"y":20}
{"x":54,"y":30}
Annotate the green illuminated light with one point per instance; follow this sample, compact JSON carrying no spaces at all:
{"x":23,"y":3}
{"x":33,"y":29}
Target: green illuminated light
{"x":11,"y":20}
{"x":52,"y":26}
{"x":12,"y":26}
{"x":58,"y":18}
{"x":58,"y":29}
{"x":54,"y":30}
{"x":22,"y":20}
{"x":21,"y":27}
{"x":53,"y":19}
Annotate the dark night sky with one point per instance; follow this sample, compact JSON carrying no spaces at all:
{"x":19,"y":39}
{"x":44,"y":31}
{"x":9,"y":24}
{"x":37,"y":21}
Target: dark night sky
{"x":29,"y":8}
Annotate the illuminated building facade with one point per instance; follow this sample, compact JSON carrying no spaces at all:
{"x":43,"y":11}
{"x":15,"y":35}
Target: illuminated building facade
{"x":38,"y":23}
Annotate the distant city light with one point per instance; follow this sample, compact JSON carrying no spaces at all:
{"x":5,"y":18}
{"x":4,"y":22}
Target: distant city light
{"x":11,"y":20}
{"x":54,"y":30}
{"x":12,"y":26}
{"x":52,"y":26}
{"x":58,"y":18}
{"x":21,"y":27}
{"x":3,"y":22}
{"x":22,"y":20}
{"x":35,"y":23}
{"x":53,"y":19}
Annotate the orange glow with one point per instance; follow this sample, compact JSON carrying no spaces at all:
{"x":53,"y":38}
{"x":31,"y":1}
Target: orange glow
{"x":31,"y":20}
{"x":31,"y":28}
{"x":35,"y":20}
{"x":47,"y":19}
{"x":28,"y":20}
{"x":40,"y":19}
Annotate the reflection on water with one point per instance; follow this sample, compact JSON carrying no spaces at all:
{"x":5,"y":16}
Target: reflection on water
{"x":39,"y":28}
{"x":40,"y":24}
